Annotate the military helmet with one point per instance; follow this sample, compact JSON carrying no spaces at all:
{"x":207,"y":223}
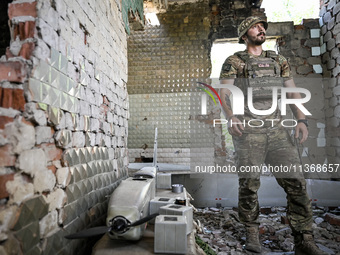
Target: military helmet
{"x":247,"y":23}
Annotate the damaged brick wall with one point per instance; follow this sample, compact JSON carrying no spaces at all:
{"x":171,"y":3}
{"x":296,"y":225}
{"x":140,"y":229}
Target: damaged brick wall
{"x":165,"y":64}
{"x":227,"y":15}
{"x":133,"y":14}
{"x":330,"y":31}
{"x":301,"y":44}
{"x":63,"y":122}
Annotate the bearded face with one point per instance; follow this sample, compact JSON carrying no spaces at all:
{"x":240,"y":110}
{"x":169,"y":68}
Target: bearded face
{"x":256,"y":35}
{"x":258,"y":39}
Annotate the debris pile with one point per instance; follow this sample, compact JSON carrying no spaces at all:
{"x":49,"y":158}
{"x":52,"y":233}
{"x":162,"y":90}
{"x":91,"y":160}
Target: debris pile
{"x":222,"y":230}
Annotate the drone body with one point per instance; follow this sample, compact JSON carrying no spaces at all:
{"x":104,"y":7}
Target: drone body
{"x":129,"y":203}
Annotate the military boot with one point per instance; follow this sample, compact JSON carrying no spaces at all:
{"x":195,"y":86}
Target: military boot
{"x":252,"y":239}
{"x":305,"y":245}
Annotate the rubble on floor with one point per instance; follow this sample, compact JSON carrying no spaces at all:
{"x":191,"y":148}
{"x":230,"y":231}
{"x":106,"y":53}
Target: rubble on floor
{"x":221,"y":229}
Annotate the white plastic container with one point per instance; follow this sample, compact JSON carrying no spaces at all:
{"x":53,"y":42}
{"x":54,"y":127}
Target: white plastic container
{"x":181,"y":210}
{"x":158,"y":202}
{"x":163,"y":181}
{"x":170,"y":234}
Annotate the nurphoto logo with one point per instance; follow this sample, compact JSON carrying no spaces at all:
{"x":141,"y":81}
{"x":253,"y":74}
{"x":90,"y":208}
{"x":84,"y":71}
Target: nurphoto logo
{"x":238,"y":103}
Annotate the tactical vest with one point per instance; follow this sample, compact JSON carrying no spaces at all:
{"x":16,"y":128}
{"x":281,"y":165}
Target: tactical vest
{"x":261,"y":74}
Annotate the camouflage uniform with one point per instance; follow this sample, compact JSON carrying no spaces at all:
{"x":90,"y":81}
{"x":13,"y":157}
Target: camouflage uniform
{"x":270,"y":145}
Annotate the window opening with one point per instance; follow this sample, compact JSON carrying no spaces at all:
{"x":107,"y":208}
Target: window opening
{"x":291,"y":10}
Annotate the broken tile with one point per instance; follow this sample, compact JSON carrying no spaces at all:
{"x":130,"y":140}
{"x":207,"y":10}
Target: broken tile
{"x":55,"y":58}
{"x":29,"y":212}
{"x":64,"y":138}
{"x":316,"y":51}
{"x":63,"y":176}
{"x":54,"y":115}
{"x":54,"y":243}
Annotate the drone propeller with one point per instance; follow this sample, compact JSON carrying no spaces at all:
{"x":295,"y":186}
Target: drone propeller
{"x":120,"y":227}
{"x":143,"y":220}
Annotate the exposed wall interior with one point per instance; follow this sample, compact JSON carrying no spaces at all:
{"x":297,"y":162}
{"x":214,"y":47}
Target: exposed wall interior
{"x":63,"y":121}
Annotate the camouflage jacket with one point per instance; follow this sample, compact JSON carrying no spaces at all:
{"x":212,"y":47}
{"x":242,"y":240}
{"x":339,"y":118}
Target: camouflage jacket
{"x":233,"y":68}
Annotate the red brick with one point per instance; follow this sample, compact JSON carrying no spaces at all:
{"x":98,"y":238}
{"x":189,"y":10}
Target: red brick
{"x":4,"y":120}
{"x":3,"y":180}
{"x":332,"y":219}
{"x":13,"y":98}
{"x":18,"y":100}
{"x":6,"y":99}
{"x":27,"y":50}
{"x":22,"y":9}
{"x":24,"y":30}
{"x":12,"y":71}
{"x":6,"y":157}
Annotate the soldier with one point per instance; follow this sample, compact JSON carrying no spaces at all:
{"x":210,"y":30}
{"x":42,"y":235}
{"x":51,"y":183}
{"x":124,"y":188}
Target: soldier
{"x":269,"y":142}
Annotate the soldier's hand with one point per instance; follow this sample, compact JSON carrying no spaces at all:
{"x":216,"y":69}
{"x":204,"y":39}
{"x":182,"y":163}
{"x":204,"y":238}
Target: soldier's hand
{"x":235,"y":126}
{"x":301,"y":131}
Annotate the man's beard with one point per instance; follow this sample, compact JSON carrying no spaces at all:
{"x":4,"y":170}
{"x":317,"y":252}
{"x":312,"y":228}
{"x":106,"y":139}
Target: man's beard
{"x":256,"y":40}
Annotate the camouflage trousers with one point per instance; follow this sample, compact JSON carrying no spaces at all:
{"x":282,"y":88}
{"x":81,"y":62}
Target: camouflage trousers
{"x":275,"y":148}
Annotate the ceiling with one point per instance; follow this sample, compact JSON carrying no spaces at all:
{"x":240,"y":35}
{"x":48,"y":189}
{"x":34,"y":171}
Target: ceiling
{"x":162,"y":5}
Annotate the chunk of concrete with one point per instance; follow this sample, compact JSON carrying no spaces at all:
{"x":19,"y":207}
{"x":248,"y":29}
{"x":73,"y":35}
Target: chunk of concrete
{"x":19,"y":189}
{"x":48,"y":224}
{"x":32,"y":161}
{"x":56,"y":200}
{"x":21,"y":135}
{"x":44,"y":181}
{"x":63,"y":176}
